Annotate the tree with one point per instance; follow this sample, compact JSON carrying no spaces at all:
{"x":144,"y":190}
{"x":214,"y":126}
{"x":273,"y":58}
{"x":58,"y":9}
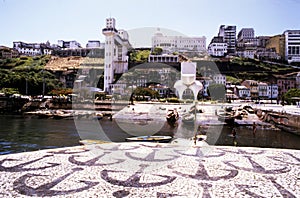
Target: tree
{"x":157,"y":51}
{"x":292,"y":95}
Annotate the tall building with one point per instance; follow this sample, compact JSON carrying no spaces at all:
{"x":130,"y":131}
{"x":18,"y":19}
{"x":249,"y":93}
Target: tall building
{"x":116,"y":48}
{"x":246,"y":43}
{"x":171,"y":44}
{"x":229,"y":36}
{"x":292,"y":45}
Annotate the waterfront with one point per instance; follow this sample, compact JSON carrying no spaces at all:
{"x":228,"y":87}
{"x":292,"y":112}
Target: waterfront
{"x":20,"y":134}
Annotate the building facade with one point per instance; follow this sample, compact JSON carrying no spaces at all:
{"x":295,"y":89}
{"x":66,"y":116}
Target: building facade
{"x":253,"y":86}
{"x":229,"y":36}
{"x":292,"y":45}
{"x":171,"y":44}
{"x":217,"y":47}
{"x":277,"y":43}
{"x":116,"y":48}
{"x":219,"y":79}
{"x":32,"y":49}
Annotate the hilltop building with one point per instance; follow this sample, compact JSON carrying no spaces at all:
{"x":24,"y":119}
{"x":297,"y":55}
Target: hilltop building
{"x":246,"y":43}
{"x":217,"y":47}
{"x":32,"y":49}
{"x":171,"y":44}
{"x":229,"y":36}
{"x":292,"y":45}
{"x":116,"y":48}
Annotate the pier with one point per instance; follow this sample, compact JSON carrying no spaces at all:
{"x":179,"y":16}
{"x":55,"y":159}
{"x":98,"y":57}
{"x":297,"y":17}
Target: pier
{"x":151,"y":170}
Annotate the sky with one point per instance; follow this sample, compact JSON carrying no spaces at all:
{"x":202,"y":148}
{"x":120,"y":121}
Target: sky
{"x":82,"y":20}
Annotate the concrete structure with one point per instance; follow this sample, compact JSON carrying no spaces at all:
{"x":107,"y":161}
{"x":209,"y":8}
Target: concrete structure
{"x":171,"y":44}
{"x":277,"y":43}
{"x":292,"y":45}
{"x":229,"y":36}
{"x":188,"y":80}
{"x":32,"y":49}
{"x":217,"y":47}
{"x":116,"y":48}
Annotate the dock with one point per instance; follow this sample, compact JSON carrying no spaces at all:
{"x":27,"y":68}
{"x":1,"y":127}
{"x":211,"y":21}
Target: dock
{"x":151,"y":170}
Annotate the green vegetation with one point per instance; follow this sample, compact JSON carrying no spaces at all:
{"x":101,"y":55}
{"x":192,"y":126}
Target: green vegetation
{"x":292,"y":95}
{"x":233,"y":80}
{"x":139,"y":56}
{"x":157,"y":51}
{"x":27,"y":73}
{"x":141,"y":92}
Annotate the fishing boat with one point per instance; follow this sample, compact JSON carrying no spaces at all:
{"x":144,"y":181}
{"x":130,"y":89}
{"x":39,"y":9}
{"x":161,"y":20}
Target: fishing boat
{"x":151,"y":138}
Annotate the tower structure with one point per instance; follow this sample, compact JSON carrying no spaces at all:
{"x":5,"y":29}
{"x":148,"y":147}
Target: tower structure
{"x":116,"y":48}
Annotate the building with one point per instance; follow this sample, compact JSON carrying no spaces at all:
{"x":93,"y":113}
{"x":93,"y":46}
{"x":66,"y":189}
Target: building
{"x":219,"y":79}
{"x":272,"y":91}
{"x":292,"y":45}
{"x":242,"y":91}
{"x":246,"y":43}
{"x":217,"y":47}
{"x":263,"y":90}
{"x":94,"y":44}
{"x":277,"y":43}
{"x":285,"y":83}
{"x":68,"y":44}
{"x":229,"y":36}
{"x":6,"y":52}
{"x":116,"y":48}
{"x":171,"y":44}
{"x":165,"y":58}
{"x":32,"y":49}
{"x":245,"y":34}
{"x":253,"y":86}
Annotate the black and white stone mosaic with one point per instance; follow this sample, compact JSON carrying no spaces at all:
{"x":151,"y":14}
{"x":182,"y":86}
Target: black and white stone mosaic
{"x":151,"y":170}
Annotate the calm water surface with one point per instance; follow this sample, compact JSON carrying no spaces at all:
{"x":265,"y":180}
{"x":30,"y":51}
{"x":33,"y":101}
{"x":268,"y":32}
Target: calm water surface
{"x":20,"y":134}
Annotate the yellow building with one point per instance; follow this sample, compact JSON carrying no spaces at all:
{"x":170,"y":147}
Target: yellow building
{"x":278,"y":43}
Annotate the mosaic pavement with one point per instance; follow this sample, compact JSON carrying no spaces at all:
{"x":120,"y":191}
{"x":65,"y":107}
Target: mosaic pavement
{"x":151,"y":170}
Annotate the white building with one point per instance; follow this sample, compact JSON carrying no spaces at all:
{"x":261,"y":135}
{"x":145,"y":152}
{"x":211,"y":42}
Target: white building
{"x":94,"y":44}
{"x":68,"y":44}
{"x":272,"y":91}
{"x":32,"y":49}
{"x":165,"y":58}
{"x":219,"y":79}
{"x":242,"y":91}
{"x":263,"y":90}
{"x":116,"y":48}
{"x":171,"y":44}
{"x":217,"y":47}
{"x":292,"y":45}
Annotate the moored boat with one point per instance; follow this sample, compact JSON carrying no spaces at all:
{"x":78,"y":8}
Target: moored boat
{"x":151,"y":138}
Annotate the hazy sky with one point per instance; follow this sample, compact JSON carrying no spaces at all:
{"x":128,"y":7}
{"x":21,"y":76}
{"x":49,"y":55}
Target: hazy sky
{"x":82,"y":20}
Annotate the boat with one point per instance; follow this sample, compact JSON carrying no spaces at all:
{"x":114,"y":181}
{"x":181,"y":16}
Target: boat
{"x":151,"y":138}
{"x":172,"y":116}
{"x":188,"y":117}
{"x":225,"y":116}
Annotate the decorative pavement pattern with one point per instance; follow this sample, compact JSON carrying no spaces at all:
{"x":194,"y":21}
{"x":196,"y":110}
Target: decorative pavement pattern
{"x":151,"y":170}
